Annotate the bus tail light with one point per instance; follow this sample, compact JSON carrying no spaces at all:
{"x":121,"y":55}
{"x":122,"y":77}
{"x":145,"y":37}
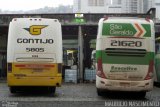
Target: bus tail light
{"x":9,"y":67}
{"x":150,"y":70}
{"x":100,"y":72}
{"x":59,"y":68}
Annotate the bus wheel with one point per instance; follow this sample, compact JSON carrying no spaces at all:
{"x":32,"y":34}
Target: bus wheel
{"x":142,"y":94}
{"x":52,"y":90}
{"x":99,"y":92}
{"x":12,"y":89}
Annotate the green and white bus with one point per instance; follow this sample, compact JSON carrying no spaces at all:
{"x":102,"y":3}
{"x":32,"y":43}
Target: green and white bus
{"x":125,"y":51}
{"x":157,"y":61}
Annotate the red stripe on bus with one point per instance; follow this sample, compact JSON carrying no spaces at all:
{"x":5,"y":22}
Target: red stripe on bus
{"x":34,"y":66}
{"x":48,"y":65}
{"x":19,"y":65}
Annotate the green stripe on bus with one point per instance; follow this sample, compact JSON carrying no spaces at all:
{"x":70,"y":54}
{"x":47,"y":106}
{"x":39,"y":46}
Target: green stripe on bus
{"x":124,"y":29}
{"x":147,"y":27}
{"x":125,"y":59}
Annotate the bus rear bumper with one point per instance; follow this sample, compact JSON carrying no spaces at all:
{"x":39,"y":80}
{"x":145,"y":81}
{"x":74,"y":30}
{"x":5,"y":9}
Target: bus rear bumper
{"x":124,"y":85}
{"x":34,"y":81}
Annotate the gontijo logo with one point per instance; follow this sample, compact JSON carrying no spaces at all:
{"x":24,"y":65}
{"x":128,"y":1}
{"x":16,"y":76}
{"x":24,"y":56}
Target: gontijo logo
{"x":35,"y":29}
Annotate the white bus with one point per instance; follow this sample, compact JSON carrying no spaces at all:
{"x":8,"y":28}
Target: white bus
{"x":34,"y":53}
{"x":125,"y":51}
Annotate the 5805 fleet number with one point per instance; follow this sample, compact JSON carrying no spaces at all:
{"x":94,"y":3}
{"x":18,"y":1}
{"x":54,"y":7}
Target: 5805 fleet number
{"x":34,"y":49}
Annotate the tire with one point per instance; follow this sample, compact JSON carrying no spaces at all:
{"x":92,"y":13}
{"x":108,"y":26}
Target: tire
{"x":100,"y":92}
{"x":12,"y":89}
{"x":142,"y":94}
{"x":52,"y":90}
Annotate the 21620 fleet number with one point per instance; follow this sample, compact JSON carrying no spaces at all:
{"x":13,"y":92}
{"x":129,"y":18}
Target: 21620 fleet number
{"x":126,"y":43}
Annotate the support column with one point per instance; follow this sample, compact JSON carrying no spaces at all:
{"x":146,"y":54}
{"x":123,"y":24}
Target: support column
{"x":80,"y":54}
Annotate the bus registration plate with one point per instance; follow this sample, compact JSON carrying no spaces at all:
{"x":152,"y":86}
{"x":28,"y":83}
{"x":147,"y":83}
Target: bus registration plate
{"x":37,"y":70}
{"x":124,"y":84}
